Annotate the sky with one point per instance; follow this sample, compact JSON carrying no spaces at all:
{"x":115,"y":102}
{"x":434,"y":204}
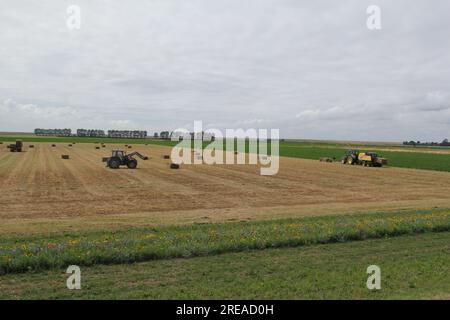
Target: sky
{"x":312,"y":69}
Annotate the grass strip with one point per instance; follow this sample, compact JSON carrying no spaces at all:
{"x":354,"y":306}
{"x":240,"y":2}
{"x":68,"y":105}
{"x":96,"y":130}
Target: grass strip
{"x":412,"y":267}
{"x":22,"y":254}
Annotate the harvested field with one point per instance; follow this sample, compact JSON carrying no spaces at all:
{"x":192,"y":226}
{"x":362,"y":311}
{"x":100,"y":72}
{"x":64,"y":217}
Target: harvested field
{"x":39,"y":185}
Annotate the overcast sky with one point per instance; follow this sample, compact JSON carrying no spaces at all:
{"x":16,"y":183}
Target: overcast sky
{"x":310,"y":68}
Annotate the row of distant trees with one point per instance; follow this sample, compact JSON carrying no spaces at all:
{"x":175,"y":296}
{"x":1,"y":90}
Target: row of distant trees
{"x":444,"y":143}
{"x":91,"y":133}
{"x":53,"y":132}
{"x":166,"y":135}
{"x":162,"y":135}
{"x":135,"y":134}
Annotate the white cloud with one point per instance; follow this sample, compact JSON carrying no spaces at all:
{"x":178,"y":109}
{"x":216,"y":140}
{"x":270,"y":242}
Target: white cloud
{"x":122,"y":124}
{"x":32,"y":111}
{"x":26,"y":116}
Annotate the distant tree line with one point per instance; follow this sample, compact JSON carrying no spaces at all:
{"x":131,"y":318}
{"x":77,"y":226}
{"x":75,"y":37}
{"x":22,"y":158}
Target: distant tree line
{"x":127,"y":134}
{"x":444,"y":143}
{"x":136,"y":134}
{"x":53,"y":132}
{"x":90,"y":133}
{"x":166,"y":135}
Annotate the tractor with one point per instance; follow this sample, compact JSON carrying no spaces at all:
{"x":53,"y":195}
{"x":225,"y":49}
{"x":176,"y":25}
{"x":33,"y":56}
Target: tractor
{"x":351,"y":157}
{"x":366,"y":159}
{"x":120,"y":158}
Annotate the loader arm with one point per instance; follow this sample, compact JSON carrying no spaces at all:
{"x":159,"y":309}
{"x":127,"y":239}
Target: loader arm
{"x":137,"y":154}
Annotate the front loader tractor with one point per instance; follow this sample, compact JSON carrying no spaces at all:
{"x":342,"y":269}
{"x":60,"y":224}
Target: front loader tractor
{"x":120,"y":158}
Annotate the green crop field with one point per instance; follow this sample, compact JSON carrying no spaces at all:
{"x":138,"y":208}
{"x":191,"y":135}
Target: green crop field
{"x":401,"y":158}
{"x":414,"y":160}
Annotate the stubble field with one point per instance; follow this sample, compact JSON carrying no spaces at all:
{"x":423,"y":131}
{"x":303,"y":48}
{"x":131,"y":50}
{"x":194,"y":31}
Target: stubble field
{"x":38,"y":185}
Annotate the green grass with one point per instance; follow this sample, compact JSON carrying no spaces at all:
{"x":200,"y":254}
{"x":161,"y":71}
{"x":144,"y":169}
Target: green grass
{"x":40,"y":252}
{"x":414,"y":160}
{"x":412,"y":267}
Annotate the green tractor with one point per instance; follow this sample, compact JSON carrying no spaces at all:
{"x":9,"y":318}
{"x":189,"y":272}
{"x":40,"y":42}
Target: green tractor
{"x":120,"y":158}
{"x":351,"y":157}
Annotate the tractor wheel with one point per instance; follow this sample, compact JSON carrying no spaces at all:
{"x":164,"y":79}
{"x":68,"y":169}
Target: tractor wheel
{"x":132,"y":164}
{"x":114,"y":164}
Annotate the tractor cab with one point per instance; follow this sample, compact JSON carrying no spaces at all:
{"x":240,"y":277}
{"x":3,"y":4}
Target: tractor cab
{"x":352,"y":152}
{"x":118,"y":153}
{"x":350,"y":157}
